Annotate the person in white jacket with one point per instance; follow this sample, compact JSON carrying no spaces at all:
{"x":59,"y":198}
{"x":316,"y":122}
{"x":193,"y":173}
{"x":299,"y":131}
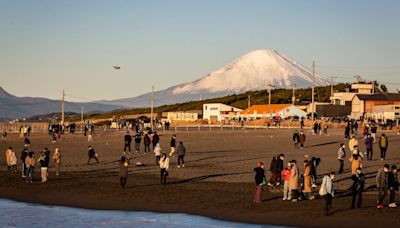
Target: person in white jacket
{"x":164,"y":166}
{"x":157,"y":153}
{"x":11,"y":160}
{"x":327,"y":191}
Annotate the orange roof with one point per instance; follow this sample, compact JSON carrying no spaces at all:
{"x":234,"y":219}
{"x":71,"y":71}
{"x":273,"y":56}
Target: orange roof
{"x":265,"y":109}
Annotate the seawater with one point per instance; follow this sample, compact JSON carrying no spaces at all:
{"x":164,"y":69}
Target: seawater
{"x":19,"y":214}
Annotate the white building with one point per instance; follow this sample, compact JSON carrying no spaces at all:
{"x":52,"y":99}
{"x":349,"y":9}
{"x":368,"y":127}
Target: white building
{"x":182,"y":115}
{"x":345,"y":98}
{"x":386,"y":112}
{"x":219,"y":111}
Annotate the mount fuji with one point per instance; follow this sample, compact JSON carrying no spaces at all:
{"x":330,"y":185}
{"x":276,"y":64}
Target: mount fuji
{"x":255,"y":70}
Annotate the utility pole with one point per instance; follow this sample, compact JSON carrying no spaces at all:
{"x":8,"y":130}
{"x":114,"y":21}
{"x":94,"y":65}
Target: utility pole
{"x":293,"y":93}
{"x":82,"y":114}
{"x":62,"y":108}
{"x":332,"y":83}
{"x":248,"y":102}
{"x":269,"y":93}
{"x":373,"y":87}
{"x":312,"y":92}
{"x":152,"y":107}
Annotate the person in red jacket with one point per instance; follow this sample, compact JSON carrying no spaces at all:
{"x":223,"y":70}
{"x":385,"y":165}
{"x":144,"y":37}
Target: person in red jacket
{"x":286,"y":177}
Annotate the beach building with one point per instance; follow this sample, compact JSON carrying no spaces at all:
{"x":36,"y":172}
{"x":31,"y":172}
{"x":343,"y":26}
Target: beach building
{"x":273,"y":110}
{"x":386,"y":112}
{"x":182,"y":115}
{"x":345,"y":98}
{"x":363,"y":105}
{"x":219,"y":111}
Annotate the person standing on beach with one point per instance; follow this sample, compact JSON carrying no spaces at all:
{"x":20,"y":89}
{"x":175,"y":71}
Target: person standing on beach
{"x":30,"y":164}
{"x":27,"y":142}
{"x":11,"y":160}
{"x":347,"y":132}
{"x":382,"y":183}
{"x":138,"y":139}
{"x":181,"y":155}
{"x":286,"y":178}
{"x":4,"y":136}
{"x":307,"y":186}
{"x":157,"y":153}
{"x":44,"y":164}
{"x":369,"y":143}
{"x":296,"y":139}
{"x":146,"y":141}
{"x":92,"y":155}
{"x":302,"y":139}
{"x":357,"y":188}
{"x":24,"y":154}
{"x":123,"y":171}
{"x":393,"y":186}
{"x":341,"y":156}
{"x":90,"y":134}
{"x":173,"y":145}
{"x":294,"y":181}
{"x":155,"y":139}
{"x":128,"y":141}
{"x":57,"y":160}
{"x":383,"y":145}
{"x":164,"y":166}
{"x":260,"y":181}
{"x":353,"y":142}
{"x":327,"y":191}
{"x":276,"y":169}
{"x":355,"y":163}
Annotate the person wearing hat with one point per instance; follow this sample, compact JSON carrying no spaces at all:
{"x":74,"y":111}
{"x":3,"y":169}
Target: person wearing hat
{"x":260,"y":181}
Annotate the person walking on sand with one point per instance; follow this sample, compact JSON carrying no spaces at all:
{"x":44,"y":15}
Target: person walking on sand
{"x":146,"y":141}
{"x":164,"y":166}
{"x":357,"y":188}
{"x":30,"y":164}
{"x":369,"y":143}
{"x":294,"y":181}
{"x":173,"y":145}
{"x":341,"y":156}
{"x":138,"y":140}
{"x":353,"y":142}
{"x":286,"y":178}
{"x":44,"y":164}
{"x":4,"y":136}
{"x":327,"y":192}
{"x":383,"y":145}
{"x":260,"y":181}
{"x":27,"y":142}
{"x":296,"y":139}
{"x":307,"y":189}
{"x":181,"y":155}
{"x":128,"y":141}
{"x":11,"y":159}
{"x":302,"y":139}
{"x":92,"y":155}
{"x":393,"y":186}
{"x":90,"y":135}
{"x":382,"y":183}
{"x":24,"y":155}
{"x":123,"y":171}
{"x":157,"y":153}
{"x":57,"y":160}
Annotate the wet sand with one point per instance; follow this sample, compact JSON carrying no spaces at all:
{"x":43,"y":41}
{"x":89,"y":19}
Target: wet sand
{"x":217,"y":181}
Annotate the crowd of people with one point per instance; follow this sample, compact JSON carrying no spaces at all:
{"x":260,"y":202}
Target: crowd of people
{"x":303,"y":187}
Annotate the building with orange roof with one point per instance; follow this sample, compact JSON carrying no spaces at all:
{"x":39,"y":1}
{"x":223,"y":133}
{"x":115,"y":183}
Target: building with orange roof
{"x":272,"y":110}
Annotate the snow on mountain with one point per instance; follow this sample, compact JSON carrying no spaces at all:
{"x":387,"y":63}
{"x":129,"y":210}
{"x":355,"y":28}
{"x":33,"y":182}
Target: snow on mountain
{"x":253,"y":71}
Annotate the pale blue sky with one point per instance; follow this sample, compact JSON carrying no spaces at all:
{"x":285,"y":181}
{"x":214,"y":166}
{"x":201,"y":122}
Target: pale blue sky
{"x":48,"y":45}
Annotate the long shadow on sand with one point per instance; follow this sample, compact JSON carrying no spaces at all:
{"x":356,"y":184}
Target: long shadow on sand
{"x":200,"y":178}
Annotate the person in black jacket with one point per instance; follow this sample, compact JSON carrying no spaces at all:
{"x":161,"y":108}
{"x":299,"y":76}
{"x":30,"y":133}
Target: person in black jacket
{"x":128,"y":141}
{"x":146,"y":141}
{"x":260,"y":181}
{"x":296,"y":139}
{"x":138,"y":139}
{"x":24,"y":154}
{"x":44,"y":163}
{"x":393,"y":186}
{"x":156,"y":139}
{"x":276,"y":168}
{"x":92,"y":155}
{"x":357,"y":188}
{"x":173,"y":145}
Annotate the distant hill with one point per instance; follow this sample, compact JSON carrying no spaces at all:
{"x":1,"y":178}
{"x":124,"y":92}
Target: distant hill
{"x":12,"y":107}
{"x":251,"y":72}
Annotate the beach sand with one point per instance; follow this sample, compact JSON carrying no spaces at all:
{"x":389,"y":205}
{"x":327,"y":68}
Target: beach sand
{"x":217,"y":181}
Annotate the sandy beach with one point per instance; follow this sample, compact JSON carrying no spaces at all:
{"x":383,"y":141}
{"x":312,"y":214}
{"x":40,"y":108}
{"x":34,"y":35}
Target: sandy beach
{"x":217,"y":181}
